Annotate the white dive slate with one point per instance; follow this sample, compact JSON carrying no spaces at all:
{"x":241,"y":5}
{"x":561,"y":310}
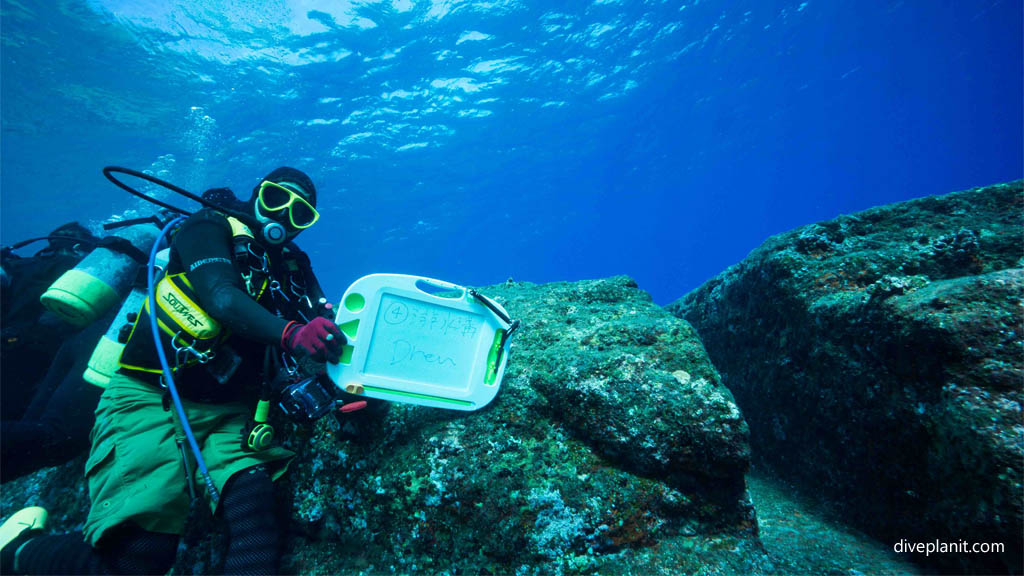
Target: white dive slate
{"x":421,"y":341}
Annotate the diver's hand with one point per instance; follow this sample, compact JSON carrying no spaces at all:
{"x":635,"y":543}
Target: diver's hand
{"x":321,"y":339}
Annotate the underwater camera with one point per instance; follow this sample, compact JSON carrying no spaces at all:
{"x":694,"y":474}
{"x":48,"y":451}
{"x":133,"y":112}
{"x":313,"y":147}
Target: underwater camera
{"x":308,"y":400}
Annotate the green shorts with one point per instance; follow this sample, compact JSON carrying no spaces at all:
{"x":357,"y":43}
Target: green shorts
{"x":135,"y":470}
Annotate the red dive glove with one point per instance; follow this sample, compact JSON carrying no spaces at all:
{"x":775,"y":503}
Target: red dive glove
{"x":321,"y":339}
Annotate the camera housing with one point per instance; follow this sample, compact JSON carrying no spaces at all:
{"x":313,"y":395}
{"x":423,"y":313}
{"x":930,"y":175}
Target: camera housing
{"x":308,"y":400}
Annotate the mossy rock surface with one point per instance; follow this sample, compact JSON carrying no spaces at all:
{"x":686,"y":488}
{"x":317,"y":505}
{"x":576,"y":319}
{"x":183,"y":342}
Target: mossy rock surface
{"x":613,"y":447}
{"x":878,"y":360}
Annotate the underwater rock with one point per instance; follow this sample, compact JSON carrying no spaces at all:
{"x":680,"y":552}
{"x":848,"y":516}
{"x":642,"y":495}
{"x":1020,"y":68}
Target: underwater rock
{"x":878,"y":360}
{"x":593,"y":455}
{"x":612,"y":447}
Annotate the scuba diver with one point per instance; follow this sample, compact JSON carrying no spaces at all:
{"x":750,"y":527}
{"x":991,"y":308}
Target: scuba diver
{"x":47,"y":406}
{"x":236,"y":295}
{"x":29,"y":334}
{"x":55,"y":427}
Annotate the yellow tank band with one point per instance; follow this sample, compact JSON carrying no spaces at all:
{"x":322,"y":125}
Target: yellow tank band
{"x":79,"y":298}
{"x":104,"y":362}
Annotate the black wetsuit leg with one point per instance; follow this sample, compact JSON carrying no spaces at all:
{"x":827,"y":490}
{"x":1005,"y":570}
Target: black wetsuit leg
{"x":56,"y":425}
{"x":126,"y":550}
{"x":25,"y":362}
{"x":252,"y":529}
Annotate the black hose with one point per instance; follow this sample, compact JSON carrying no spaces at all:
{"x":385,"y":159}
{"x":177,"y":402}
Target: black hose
{"x":109,"y":170}
{"x":265,"y":388}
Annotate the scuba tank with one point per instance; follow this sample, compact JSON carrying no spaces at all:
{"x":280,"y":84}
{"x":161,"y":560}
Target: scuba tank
{"x":105,"y":358}
{"x":101,"y":279}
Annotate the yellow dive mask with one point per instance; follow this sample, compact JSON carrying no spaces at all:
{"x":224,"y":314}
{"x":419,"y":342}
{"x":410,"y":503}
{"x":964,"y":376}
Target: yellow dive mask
{"x":275,"y":197}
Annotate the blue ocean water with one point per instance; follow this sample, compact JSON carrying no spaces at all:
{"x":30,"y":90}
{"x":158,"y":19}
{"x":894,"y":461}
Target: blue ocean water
{"x":477,"y":141}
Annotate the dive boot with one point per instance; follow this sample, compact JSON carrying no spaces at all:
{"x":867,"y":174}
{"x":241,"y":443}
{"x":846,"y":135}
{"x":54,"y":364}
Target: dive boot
{"x":17,"y":530}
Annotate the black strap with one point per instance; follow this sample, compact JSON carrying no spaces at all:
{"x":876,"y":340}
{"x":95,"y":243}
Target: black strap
{"x":504,"y":339}
{"x":125,"y":247}
{"x":110,"y":242}
{"x":80,"y":240}
{"x":134,"y":221}
{"x":513,"y":324}
{"x":483,"y":300}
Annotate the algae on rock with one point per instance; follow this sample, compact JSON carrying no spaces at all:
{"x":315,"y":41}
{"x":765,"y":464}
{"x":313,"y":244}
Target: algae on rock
{"x":878,"y":358}
{"x":592,"y":454}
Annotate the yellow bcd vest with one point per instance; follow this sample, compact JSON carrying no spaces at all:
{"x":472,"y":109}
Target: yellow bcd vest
{"x":188,"y":334}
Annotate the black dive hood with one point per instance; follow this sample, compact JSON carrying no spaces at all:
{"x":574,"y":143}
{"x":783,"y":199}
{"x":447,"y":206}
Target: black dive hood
{"x":293,"y":176}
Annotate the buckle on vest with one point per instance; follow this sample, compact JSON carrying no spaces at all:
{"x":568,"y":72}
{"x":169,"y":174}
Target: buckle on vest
{"x":183,"y":351}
